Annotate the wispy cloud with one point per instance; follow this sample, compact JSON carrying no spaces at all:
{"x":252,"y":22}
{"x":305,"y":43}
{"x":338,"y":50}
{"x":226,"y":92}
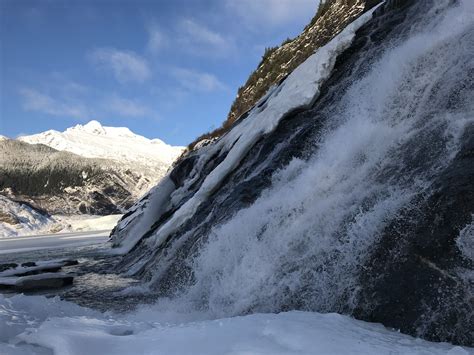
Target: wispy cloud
{"x":197,"y":81}
{"x":199,"y":39}
{"x":257,"y":13}
{"x":127,"y":107}
{"x":126,"y":66}
{"x":156,"y":39}
{"x":33,"y":100}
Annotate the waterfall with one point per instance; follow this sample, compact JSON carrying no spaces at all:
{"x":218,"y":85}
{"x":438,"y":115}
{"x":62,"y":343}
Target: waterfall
{"x":391,"y":119}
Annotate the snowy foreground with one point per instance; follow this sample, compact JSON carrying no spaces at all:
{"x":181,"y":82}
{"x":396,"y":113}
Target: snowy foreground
{"x":40,"y":325}
{"x":37,"y":325}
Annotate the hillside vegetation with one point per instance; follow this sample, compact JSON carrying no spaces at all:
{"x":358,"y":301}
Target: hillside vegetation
{"x":62,"y":182}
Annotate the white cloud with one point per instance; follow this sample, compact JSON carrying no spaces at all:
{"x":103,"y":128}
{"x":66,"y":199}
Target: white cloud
{"x":33,"y":100}
{"x":156,"y":39}
{"x":198,"y":81}
{"x":201,"y":40}
{"x":126,"y":107}
{"x":257,"y":13}
{"x":126,"y":66}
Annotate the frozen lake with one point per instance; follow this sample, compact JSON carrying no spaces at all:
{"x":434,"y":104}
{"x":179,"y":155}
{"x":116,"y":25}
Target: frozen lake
{"x":95,"y":283}
{"x":52,"y":241}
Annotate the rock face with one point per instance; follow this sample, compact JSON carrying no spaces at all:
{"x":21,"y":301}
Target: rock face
{"x":358,"y":201}
{"x":45,"y":281}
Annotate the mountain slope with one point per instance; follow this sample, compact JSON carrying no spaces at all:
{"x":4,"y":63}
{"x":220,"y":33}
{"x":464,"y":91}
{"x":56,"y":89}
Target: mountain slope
{"x":278,"y":62}
{"x":87,"y":169}
{"x":331,"y":18}
{"x":63,"y":182}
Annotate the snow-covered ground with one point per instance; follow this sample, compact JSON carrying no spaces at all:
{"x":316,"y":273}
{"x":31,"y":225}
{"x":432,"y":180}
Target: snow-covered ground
{"x":37,"y":325}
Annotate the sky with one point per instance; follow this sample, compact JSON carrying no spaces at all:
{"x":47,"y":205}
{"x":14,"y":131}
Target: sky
{"x":166,"y":69}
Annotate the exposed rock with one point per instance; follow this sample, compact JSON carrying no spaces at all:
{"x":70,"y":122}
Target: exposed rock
{"x":8,"y":218}
{"x":8,"y":266}
{"x":34,"y":276}
{"x":28,"y":264}
{"x":416,"y":270}
{"x":38,"y":282}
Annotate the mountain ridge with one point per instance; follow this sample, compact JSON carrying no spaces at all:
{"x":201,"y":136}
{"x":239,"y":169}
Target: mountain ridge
{"x":93,"y":140}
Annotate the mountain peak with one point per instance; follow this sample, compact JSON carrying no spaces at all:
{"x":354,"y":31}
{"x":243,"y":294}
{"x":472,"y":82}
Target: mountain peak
{"x":93,"y":127}
{"x":93,"y":124}
{"x":96,"y":128}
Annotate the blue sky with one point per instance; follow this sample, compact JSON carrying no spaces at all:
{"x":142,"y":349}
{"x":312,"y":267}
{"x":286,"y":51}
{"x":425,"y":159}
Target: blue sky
{"x":165,"y":69}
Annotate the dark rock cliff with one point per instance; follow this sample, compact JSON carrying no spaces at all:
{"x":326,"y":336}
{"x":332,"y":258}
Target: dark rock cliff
{"x":361,"y":203}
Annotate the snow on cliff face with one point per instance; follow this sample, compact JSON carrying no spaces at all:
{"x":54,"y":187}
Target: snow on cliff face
{"x":17,"y":218}
{"x":93,"y":140}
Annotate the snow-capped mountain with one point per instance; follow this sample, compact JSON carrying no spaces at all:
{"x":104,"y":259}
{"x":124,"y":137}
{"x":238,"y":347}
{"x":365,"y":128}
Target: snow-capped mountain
{"x":87,"y":169}
{"x":93,"y":140}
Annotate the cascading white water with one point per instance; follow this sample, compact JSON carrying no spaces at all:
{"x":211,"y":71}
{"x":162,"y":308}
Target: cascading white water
{"x":308,"y":234}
